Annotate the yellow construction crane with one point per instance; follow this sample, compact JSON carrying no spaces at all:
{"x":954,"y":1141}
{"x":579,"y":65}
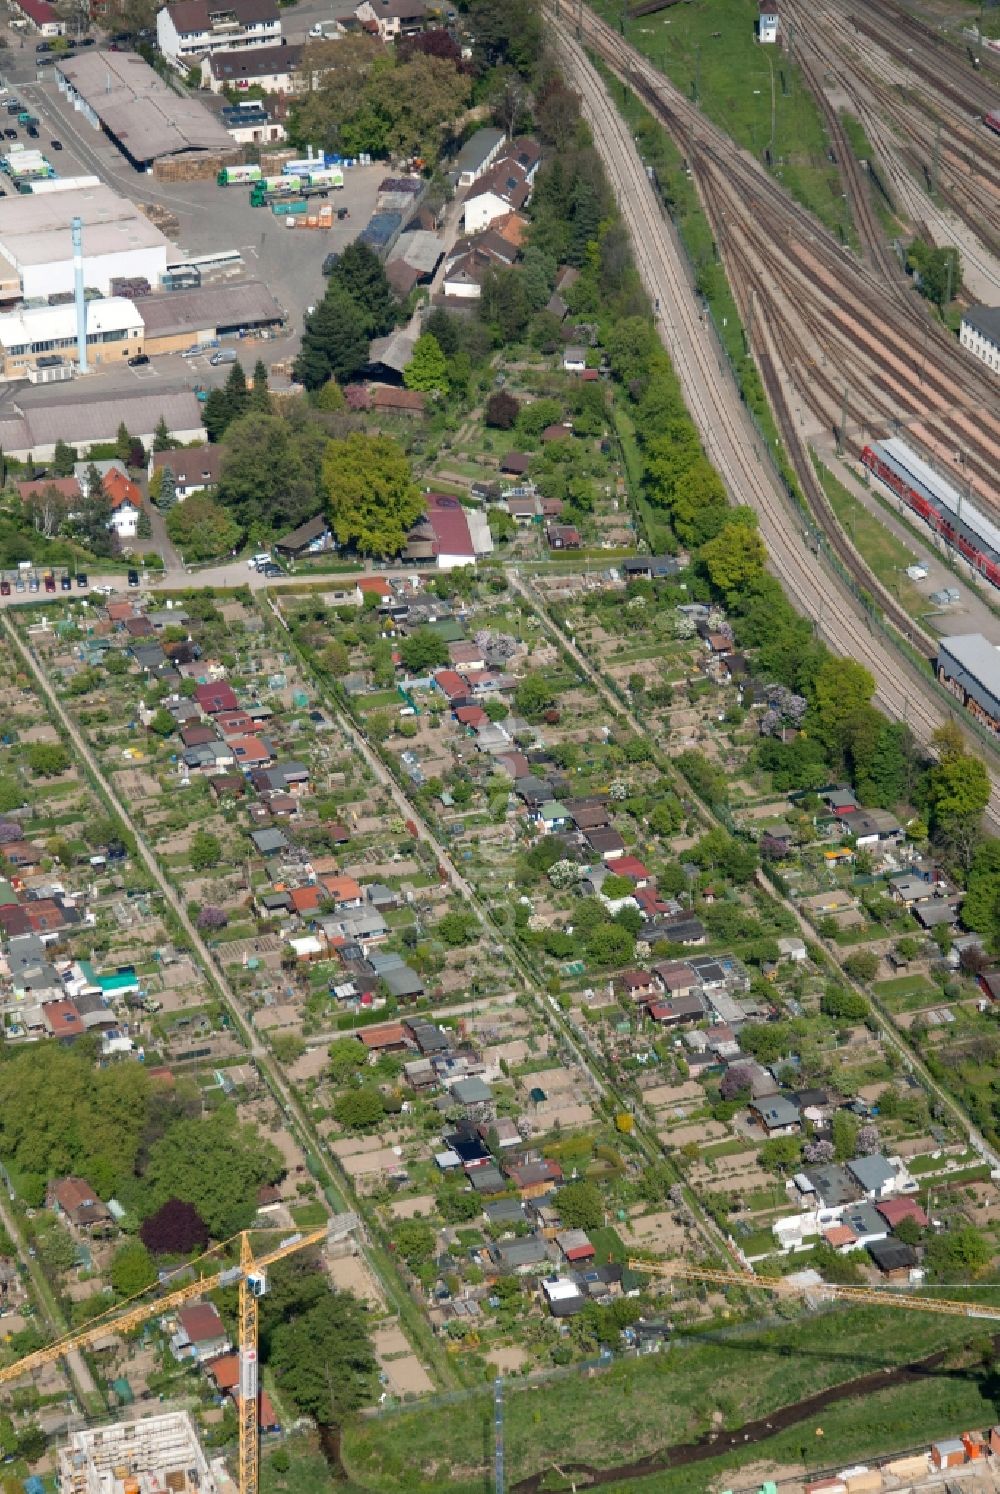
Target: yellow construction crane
{"x":251,"y":1273}
{"x":783,"y":1287}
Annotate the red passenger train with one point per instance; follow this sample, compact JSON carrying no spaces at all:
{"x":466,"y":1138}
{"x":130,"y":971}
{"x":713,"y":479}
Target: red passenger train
{"x":959,"y":522}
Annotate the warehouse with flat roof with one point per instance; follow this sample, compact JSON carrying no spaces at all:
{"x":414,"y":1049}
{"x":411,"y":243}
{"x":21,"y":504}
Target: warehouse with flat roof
{"x":969,"y":666}
{"x":120,"y":94}
{"x":32,"y":423}
{"x":118,"y":241}
{"x":179,"y":319}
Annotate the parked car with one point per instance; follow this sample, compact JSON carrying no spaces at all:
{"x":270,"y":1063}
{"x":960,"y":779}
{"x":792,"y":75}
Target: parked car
{"x":66,"y":582}
{"x":138,"y":360}
{"x":133,"y":578}
{"x":34,"y":584}
{"x":270,"y":569}
{"x":44,"y":47}
{"x":4,"y":588}
{"x":56,"y":144}
{"x":50,"y":583}
{"x":82,"y":580}
{"x":32,"y":132}
{"x":19,"y":584}
{"x":10,"y":134}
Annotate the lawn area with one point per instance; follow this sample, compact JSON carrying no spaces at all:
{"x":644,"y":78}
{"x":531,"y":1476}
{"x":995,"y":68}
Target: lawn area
{"x":907,"y":993}
{"x":644,"y":1406}
{"x":887,"y":557}
{"x":709,"y":50}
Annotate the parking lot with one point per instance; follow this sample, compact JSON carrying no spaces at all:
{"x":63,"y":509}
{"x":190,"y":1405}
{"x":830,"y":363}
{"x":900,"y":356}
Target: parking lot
{"x":210,"y":218}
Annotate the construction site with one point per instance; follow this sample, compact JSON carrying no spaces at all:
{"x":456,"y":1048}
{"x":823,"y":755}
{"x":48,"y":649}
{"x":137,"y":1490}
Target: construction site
{"x":155,"y":1455}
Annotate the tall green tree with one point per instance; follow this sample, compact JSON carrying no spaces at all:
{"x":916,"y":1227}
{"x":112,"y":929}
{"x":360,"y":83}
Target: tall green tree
{"x":202,"y":529}
{"x":260,"y":394}
{"x":237,"y":393}
{"x":63,"y":459}
{"x":270,"y":474}
{"x":215,"y":1164}
{"x":360,"y":272}
{"x":168,"y":489}
{"x":123,"y":443}
{"x":373,"y":499}
{"x":841,"y":688}
{"x":957,"y":790}
{"x":427,"y":370}
{"x":734,"y":558}
{"x":162,"y":439}
{"x":316,"y":1342}
{"x":334,"y":340}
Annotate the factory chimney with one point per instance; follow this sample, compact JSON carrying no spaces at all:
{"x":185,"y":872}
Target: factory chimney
{"x":76,"y":229}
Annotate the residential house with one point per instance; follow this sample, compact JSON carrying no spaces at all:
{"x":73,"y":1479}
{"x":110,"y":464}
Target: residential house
{"x":575,"y":1246}
{"x":777,"y":1114}
{"x":274,"y":69}
{"x":878,"y":1178}
{"x":675,"y":1010}
{"x":532,"y":1179}
{"x":200,"y":1333}
{"x":389,"y":19}
{"x":503,"y":189}
{"x":311,"y":538}
{"x":638,"y":984}
{"x":75,"y":1201}
{"x":523,"y":1257}
{"x":125,"y":499}
{"x":195,"y":468}
{"x":215,"y":696}
{"x":188,"y":30}
{"x":41,"y":17}
{"x":477,"y":155}
{"x":895,"y":1210}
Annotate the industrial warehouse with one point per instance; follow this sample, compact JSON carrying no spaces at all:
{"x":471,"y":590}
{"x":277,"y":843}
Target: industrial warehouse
{"x":969,"y":666}
{"x":120,"y":94}
{"x":118,"y":242}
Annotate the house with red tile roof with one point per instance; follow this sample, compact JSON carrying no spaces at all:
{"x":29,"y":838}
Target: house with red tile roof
{"x":63,"y":1020}
{"x":250,"y":752}
{"x":216,"y":696}
{"x":201,"y":1334}
{"x":373,"y":586}
{"x":451,"y":684}
{"x":387,"y":1036}
{"x":343,"y":892}
{"x":126,"y":503}
{"x":895,"y":1210}
{"x":472,"y":716}
{"x":305,"y":899}
{"x":459,"y":535}
{"x":67,"y":487}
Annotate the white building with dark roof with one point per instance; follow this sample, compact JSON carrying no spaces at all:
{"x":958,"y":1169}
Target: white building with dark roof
{"x":275,"y":69}
{"x":391,"y":18}
{"x":191,"y":29}
{"x":980,"y":334}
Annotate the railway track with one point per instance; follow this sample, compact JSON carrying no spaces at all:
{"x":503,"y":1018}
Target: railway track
{"x":901,"y":368}
{"x":940,"y":124}
{"x":731,"y":442}
{"x":873,"y":240}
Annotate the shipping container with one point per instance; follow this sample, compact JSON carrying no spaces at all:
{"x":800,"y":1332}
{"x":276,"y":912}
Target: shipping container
{"x":238,"y":176}
{"x":292,"y":205}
